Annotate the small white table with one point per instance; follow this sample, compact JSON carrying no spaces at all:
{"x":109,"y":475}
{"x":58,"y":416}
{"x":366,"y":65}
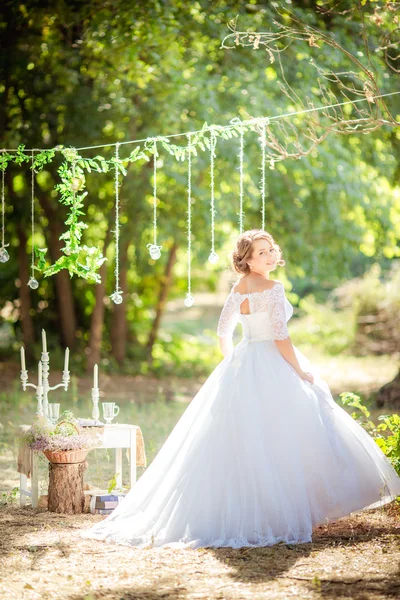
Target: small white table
{"x":114,"y":436}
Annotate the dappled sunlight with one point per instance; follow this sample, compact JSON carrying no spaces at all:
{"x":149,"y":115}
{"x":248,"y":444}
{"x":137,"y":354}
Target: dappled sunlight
{"x":41,"y":552}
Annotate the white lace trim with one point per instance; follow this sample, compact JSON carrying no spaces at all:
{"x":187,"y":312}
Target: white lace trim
{"x":272,"y":301}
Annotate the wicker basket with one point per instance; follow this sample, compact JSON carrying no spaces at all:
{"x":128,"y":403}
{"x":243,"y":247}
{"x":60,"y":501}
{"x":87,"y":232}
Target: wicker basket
{"x":66,"y":456}
{"x":69,"y":423}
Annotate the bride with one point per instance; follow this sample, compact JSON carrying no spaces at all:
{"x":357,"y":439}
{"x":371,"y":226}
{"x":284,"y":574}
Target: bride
{"x":262,"y":454}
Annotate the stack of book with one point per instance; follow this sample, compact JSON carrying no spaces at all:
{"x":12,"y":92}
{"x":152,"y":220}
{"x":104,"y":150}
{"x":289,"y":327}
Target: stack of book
{"x":105,"y":504}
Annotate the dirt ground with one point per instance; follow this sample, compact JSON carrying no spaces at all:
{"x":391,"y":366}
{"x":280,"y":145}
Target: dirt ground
{"x":43,"y":557}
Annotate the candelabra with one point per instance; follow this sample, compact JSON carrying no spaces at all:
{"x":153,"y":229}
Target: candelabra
{"x":42,"y":388}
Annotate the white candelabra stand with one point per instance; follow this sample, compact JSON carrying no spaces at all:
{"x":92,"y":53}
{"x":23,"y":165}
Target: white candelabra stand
{"x":42,"y":388}
{"x":95,"y":396}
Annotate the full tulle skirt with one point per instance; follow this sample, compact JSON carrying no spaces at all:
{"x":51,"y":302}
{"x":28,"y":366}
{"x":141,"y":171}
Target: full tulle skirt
{"x":258,"y":457}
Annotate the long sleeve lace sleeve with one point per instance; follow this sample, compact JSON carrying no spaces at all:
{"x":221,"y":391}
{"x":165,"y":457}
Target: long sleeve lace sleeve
{"x":228,"y":318}
{"x":278,"y":313}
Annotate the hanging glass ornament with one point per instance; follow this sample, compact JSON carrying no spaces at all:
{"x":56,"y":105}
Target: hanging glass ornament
{"x":116,"y":297}
{"x":33,"y":284}
{"x":213,"y":258}
{"x":189,"y":300}
{"x":4,"y":256}
{"x":154,"y":250}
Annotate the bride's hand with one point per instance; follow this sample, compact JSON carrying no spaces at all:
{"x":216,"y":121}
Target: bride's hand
{"x":306,"y":376}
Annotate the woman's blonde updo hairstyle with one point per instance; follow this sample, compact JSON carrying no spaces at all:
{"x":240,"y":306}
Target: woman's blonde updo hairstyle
{"x":244,"y":249}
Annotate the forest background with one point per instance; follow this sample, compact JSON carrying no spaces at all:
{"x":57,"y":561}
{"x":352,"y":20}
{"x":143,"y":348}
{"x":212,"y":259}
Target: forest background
{"x":81,"y":73}
{"x":87,"y":73}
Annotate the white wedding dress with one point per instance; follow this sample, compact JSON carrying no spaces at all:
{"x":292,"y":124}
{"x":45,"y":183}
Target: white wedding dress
{"x":258,"y":457}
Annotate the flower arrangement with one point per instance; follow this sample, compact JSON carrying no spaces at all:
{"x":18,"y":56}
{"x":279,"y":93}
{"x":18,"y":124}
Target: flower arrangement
{"x":62,"y":442}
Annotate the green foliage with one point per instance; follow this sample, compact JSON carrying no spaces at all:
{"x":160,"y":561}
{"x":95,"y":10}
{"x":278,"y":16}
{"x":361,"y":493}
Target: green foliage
{"x":184,"y":356}
{"x":9,"y":498}
{"x":374,"y":301}
{"x":77,"y":76}
{"x":388,"y":443}
{"x":323,"y":327}
{"x":72,"y":195}
{"x":112,"y":484}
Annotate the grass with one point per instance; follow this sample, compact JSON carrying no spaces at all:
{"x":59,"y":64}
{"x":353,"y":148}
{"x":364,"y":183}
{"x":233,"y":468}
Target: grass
{"x":156,"y":405}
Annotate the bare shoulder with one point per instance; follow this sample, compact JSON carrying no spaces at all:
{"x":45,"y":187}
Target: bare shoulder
{"x":241,"y":285}
{"x":248,"y":285}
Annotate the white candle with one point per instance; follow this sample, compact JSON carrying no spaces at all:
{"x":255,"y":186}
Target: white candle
{"x":40,"y":373}
{"x":66,"y":359}
{"x":23,"y":365}
{"x":44,"y":341}
{"x":96,"y":377}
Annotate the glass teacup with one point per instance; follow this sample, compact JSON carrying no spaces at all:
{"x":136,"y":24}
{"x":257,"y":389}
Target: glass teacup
{"x":54,"y":411}
{"x":110,"y":410}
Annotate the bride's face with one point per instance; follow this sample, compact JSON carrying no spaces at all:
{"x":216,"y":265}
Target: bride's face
{"x":264,"y":257}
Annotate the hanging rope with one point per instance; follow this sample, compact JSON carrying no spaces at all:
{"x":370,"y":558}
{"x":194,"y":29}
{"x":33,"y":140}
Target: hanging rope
{"x":213,"y":257}
{"x":189,"y":300}
{"x":241,"y":156}
{"x":262,"y":168}
{"x":226,"y":127}
{"x":154,"y":250}
{"x":33,"y":283}
{"x":116,"y":297}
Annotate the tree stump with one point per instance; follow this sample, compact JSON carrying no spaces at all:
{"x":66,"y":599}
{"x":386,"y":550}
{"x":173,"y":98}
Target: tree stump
{"x":66,"y":488}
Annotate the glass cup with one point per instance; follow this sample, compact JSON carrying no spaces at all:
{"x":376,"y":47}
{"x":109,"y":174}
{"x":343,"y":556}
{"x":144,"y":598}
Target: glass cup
{"x":110,"y":410}
{"x":54,"y":412}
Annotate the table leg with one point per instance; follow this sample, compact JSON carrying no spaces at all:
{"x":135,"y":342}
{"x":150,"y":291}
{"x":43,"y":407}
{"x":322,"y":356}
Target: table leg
{"x":118,"y":467}
{"x":132,"y":465}
{"x":35,"y":479}
{"x":23,"y":482}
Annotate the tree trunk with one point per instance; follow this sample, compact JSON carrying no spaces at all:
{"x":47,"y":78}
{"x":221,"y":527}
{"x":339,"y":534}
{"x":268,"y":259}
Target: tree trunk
{"x":66,"y":488}
{"x":162,"y":298}
{"x":28,"y":335}
{"x":64,"y":296}
{"x":389,"y":394}
{"x":119,"y":326}
{"x":97,"y":317}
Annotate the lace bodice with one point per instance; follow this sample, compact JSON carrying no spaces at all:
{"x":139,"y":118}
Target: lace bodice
{"x":272,"y":302}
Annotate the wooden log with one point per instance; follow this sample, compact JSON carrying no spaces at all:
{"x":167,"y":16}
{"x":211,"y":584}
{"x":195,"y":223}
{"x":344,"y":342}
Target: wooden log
{"x":66,"y":488}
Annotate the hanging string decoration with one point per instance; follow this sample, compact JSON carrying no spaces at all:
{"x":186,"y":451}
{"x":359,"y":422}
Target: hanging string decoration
{"x":85,"y":261}
{"x":116,"y":297}
{"x":4,"y":256}
{"x":189,"y":300}
{"x":264,"y":123}
{"x":241,"y":156}
{"x":241,"y":128}
{"x":33,"y":283}
{"x":154,"y":250}
{"x":213,"y":257}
